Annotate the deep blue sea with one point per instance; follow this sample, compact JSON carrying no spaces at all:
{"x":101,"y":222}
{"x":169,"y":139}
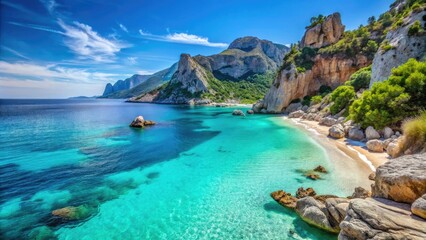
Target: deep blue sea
{"x":200,"y":173}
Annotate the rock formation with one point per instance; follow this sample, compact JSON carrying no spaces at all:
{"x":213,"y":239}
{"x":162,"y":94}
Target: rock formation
{"x":380,"y":219}
{"x":125,"y":84}
{"x":401,"y":179}
{"x":419,"y":207}
{"x":140,"y":122}
{"x":324,"y":34}
{"x":403,"y":47}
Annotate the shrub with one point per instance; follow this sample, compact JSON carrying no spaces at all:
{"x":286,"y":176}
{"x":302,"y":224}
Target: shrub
{"x":316,"y":20}
{"x":324,"y":90}
{"x":415,"y":28}
{"x":414,"y":133}
{"x":306,"y":101}
{"x":316,"y":99}
{"x":389,"y":102}
{"x":360,"y":79}
{"x":342,"y":97}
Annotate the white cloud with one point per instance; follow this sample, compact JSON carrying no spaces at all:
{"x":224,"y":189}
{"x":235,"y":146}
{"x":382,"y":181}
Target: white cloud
{"x":132,"y":60}
{"x":86,"y":43}
{"x":15,"y":52}
{"x":54,"y":73}
{"x":183,"y":38}
{"x":123,"y":27}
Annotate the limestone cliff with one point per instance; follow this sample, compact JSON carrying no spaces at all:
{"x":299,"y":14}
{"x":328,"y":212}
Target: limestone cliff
{"x":400,"y":47}
{"x":332,"y":71}
{"x":325,"y":33}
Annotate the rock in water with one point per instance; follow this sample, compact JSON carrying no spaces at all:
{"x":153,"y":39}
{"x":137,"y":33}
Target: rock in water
{"x":380,"y":219}
{"x":320,"y":169}
{"x":309,"y":192}
{"x":73,"y":213}
{"x":375,"y":145}
{"x":149,"y":123}
{"x":316,"y":213}
{"x":284,"y":199}
{"x":337,"y":131}
{"x":371,"y":133}
{"x":419,"y":207}
{"x":238,"y":112}
{"x":138,"y":122}
{"x":250,"y":111}
{"x":401,"y":179}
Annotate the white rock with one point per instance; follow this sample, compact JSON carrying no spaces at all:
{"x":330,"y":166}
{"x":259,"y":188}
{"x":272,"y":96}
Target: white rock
{"x":371,"y":133}
{"x":387,"y":133}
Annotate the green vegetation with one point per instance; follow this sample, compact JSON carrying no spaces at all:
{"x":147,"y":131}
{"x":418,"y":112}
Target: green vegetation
{"x":414,"y":133}
{"x":316,"y":20}
{"x":316,"y":99}
{"x":302,"y":59}
{"x":415,"y":28}
{"x":360,"y":79}
{"x":342,"y":97}
{"x":385,"y":46}
{"x":389,"y":102}
{"x":246,"y":91}
{"x":324,"y":90}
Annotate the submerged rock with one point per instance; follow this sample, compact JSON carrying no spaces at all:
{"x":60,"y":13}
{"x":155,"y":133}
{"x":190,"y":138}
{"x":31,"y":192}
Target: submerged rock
{"x":380,"y":219}
{"x":419,"y":207}
{"x":238,"y":112}
{"x":73,"y":213}
{"x":401,"y":179}
{"x":250,"y":111}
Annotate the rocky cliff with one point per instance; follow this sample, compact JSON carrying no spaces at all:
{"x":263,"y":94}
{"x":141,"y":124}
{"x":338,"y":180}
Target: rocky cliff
{"x":399,"y":46}
{"x":124,"y":84}
{"x":289,"y":85}
{"x":325,"y":33}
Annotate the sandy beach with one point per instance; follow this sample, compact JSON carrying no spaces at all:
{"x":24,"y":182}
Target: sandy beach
{"x":345,"y":154}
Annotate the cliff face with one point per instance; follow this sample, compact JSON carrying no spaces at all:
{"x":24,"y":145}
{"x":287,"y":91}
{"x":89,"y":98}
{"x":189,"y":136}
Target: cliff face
{"x":125,"y":84}
{"x":324,"y":34}
{"x":403,"y":47}
{"x":289,"y":84}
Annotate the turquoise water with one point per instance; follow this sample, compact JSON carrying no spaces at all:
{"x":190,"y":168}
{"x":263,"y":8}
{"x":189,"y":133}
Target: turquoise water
{"x":201,"y":173}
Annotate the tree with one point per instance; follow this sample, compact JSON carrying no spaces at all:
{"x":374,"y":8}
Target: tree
{"x":371,"y":20}
{"x":342,"y":97}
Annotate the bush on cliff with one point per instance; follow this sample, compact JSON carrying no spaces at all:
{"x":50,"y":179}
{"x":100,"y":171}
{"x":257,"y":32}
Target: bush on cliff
{"x":389,"y":102}
{"x":360,"y":79}
{"x":414,"y":133}
{"x":341,"y":97}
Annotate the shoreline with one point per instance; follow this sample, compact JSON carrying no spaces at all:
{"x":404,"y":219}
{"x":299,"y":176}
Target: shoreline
{"x":355,"y":150}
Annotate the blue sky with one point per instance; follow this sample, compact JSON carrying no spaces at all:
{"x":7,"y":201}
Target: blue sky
{"x":63,"y":48}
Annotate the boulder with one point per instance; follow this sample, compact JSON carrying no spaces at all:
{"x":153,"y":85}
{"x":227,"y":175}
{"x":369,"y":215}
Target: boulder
{"x":238,"y":112}
{"x":309,"y":192}
{"x":387,"y":132}
{"x":296,"y":114}
{"x":375,"y":145}
{"x":293,"y":107}
{"x":328,"y":121}
{"x":316,"y":214}
{"x":356,"y":134}
{"x":250,"y":111}
{"x":380,"y":219}
{"x":372,"y":176}
{"x":336,"y":207}
{"x":284,"y":199}
{"x":325,"y":33}
{"x":386,"y":143}
{"x":336,"y":131}
{"x":371,"y":133}
{"x":320,"y":169}
{"x":401,"y":179}
{"x":361,"y":193}
{"x":138,"y":122}
{"x":419,"y":207}
{"x":149,"y":123}
{"x":394,"y":149}
{"x":312,"y":176}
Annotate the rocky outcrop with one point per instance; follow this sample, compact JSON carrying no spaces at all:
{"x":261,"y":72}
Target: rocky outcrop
{"x":419,"y":207}
{"x":380,"y":219}
{"x":327,"y":70}
{"x":125,"y":84}
{"x":403,"y":48}
{"x":360,"y":193}
{"x":401,"y":179}
{"x":285,"y":199}
{"x":324,"y":34}
{"x":140,"y":122}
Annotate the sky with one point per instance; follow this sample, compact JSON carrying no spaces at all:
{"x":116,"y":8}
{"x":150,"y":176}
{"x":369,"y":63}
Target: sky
{"x":63,"y":48}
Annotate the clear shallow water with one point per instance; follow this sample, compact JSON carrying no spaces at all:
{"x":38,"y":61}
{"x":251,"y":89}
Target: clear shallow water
{"x":201,"y":173}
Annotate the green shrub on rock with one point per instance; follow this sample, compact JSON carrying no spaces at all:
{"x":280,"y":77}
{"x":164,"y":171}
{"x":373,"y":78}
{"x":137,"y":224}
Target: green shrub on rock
{"x":389,"y":102}
{"x":415,"y":28}
{"x":316,"y":99}
{"x":342,"y":97}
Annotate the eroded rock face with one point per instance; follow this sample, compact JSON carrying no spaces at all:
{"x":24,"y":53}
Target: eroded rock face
{"x":419,"y":207}
{"x":324,"y":34}
{"x":380,"y":219}
{"x":404,"y":48}
{"x":332,"y":71}
{"x":401,"y":179}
